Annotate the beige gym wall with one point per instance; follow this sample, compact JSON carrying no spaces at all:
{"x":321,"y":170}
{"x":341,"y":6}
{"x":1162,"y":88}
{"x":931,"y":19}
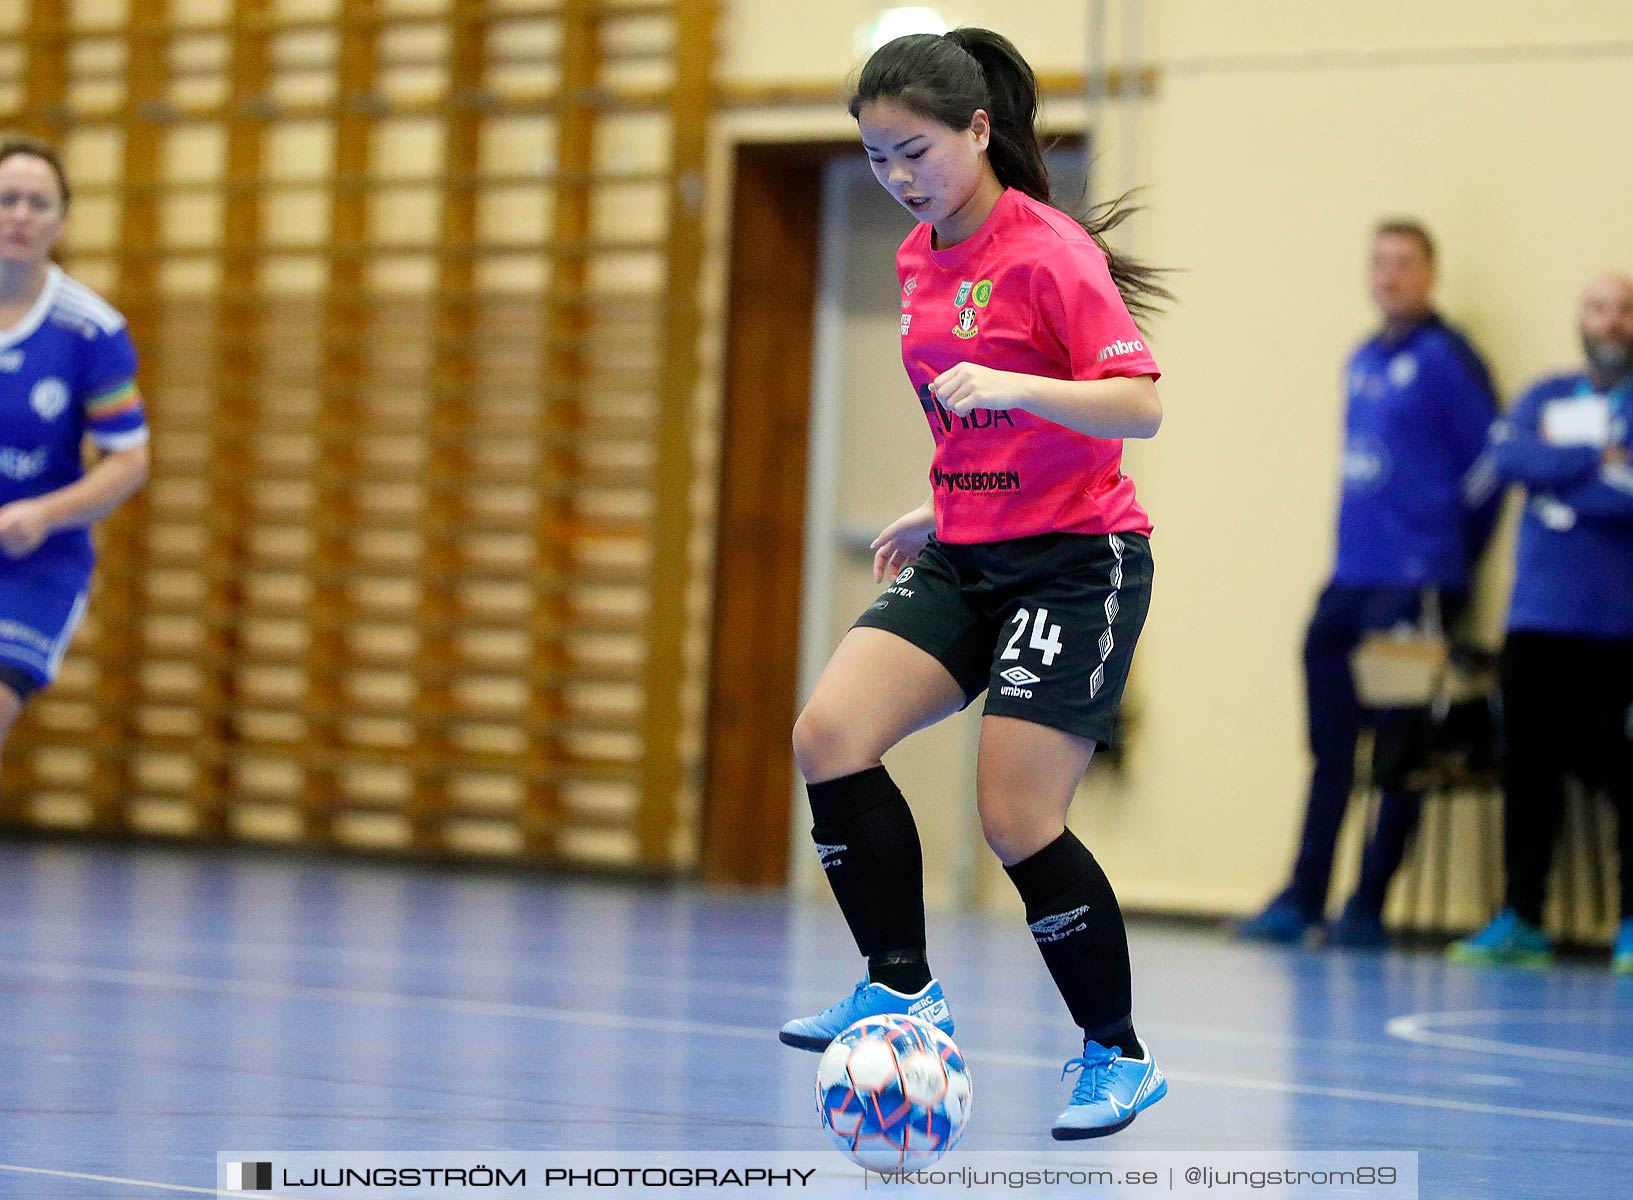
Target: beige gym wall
{"x":1279,"y":131}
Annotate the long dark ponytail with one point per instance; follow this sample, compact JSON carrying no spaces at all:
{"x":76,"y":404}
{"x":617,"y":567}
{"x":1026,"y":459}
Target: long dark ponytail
{"x":946,"y":77}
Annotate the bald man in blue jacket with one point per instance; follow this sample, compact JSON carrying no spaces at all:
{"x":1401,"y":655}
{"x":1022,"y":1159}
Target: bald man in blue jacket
{"x":1567,"y":668}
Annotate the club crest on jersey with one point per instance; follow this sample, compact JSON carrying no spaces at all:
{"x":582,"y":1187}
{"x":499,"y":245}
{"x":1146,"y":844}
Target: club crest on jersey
{"x":963,"y":293}
{"x":49,"y":398}
{"x":966,"y":324}
{"x":982,"y":293}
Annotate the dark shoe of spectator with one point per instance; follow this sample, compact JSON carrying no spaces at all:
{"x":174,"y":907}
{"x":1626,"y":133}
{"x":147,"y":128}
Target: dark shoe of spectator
{"x":1358,"y":928}
{"x":1282,"y":921}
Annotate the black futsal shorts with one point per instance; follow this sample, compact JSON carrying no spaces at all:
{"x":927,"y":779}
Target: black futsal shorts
{"x":1044,"y":625}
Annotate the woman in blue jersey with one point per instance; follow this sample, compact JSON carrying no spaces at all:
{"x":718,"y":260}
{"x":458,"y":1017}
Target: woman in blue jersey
{"x":67,"y":372}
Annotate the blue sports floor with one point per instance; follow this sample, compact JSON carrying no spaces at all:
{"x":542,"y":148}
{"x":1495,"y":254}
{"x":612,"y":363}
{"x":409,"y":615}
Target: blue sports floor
{"x":160,"y":1005}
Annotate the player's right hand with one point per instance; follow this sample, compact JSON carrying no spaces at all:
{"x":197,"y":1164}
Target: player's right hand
{"x":24,"y":524}
{"x":901,"y":541}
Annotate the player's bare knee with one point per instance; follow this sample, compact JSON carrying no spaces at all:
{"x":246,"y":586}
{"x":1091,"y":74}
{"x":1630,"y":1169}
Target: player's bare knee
{"x":823,"y":745}
{"x":1010,"y":843}
{"x":1010,"y":829}
{"x":1000,"y":825}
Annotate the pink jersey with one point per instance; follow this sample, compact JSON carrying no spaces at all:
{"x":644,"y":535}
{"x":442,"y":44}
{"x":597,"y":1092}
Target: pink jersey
{"x":1029,"y":292}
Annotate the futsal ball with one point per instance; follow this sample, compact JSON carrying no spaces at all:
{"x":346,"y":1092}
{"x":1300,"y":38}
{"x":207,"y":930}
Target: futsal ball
{"x":893,"y":1092}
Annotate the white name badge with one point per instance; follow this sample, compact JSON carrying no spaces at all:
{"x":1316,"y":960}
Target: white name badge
{"x":1581,"y":421}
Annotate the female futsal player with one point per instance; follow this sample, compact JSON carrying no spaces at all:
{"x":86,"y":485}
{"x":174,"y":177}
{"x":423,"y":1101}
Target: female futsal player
{"x":67,"y":370}
{"x":1028,"y":575}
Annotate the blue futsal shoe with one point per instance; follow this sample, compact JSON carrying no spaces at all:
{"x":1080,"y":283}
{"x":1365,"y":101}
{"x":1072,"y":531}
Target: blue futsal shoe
{"x":868,"y":1000}
{"x":1111,"y":1090}
{"x":1621,"y":955}
{"x":1508,"y":939}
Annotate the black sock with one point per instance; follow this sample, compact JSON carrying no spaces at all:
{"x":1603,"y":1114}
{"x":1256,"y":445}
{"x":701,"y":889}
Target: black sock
{"x":1079,"y":930}
{"x":870,"y":853}
{"x":1122,"y":1036}
{"x":903,"y":971}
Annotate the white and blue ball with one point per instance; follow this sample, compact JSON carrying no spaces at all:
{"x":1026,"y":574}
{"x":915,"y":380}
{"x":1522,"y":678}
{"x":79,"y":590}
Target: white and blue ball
{"x":893,"y":1092}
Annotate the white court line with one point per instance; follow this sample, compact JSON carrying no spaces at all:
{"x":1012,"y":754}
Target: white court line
{"x":282,"y":991}
{"x":141,"y":1183}
{"x":684,"y":985}
{"x":1420,"y":1028}
{"x":353,"y":954}
{"x":156,"y":979}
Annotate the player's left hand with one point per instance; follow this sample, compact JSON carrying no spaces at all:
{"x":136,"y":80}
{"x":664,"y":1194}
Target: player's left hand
{"x":970,"y":386}
{"x":23,"y":526}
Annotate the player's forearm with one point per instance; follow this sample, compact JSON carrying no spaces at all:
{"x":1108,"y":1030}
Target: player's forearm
{"x":107,"y":485}
{"x":1607,"y":495}
{"x":1519,"y":456}
{"x":1116,"y":407}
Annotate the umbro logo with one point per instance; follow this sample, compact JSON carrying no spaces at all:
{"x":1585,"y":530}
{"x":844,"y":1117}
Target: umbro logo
{"x":1119,"y":348}
{"x":1019,"y":676}
{"x":1060,"y":925}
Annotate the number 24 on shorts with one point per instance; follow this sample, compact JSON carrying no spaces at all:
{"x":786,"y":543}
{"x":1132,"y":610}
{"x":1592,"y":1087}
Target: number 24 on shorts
{"x":1049,"y":642}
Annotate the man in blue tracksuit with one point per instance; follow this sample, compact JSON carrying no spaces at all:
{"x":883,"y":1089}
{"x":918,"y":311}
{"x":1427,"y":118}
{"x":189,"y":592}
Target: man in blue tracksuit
{"x":1567,"y":671}
{"x":1420,"y":403}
